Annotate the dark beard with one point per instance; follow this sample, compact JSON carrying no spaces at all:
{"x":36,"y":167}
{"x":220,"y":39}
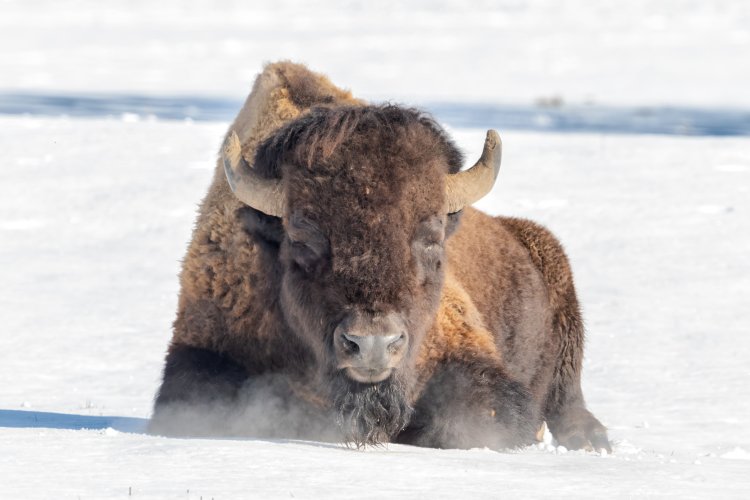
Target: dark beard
{"x":370,"y":414}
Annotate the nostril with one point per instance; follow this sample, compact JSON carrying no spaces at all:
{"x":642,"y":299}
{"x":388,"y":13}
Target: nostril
{"x":350,"y":343}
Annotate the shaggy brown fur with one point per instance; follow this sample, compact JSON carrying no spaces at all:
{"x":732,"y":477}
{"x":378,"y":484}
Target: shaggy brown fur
{"x":495,"y":338}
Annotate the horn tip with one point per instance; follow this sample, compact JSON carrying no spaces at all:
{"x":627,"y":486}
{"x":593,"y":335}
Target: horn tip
{"x":493,"y":140}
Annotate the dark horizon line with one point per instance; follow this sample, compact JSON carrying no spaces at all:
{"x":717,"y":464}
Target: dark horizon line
{"x":552,"y":116}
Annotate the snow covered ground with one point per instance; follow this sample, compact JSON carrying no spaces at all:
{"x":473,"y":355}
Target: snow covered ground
{"x":95,"y":214}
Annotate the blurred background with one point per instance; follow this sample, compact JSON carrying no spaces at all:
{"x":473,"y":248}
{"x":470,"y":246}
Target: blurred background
{"x":605,"y":65}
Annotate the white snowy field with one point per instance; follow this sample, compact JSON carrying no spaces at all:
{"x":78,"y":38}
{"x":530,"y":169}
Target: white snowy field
{"x":635,"y":52}
{"x":95,"y":215}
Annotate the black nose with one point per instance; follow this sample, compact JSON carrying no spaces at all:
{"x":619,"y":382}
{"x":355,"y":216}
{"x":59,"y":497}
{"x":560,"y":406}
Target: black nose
{"x":373,"y":352}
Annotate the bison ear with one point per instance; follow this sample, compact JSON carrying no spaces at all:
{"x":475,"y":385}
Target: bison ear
{"x":267,"y":229}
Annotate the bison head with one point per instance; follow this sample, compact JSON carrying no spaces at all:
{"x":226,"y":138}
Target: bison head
{"x":357,"y":203}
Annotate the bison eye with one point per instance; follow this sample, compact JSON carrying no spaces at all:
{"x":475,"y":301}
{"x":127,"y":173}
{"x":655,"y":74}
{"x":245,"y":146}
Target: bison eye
{"x":308,"y":246}
{"x":429,"y":255}
{"x":305,"y":257}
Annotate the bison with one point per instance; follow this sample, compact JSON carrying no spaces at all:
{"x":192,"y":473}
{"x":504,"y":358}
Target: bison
{"x":339,"y":285}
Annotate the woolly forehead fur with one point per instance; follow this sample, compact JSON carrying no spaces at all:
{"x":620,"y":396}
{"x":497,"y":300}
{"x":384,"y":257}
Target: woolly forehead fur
{"x":366,"y":176}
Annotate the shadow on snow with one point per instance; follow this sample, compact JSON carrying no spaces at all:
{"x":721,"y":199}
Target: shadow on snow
{"x":48,"y":420}
{"x":25,"y":419}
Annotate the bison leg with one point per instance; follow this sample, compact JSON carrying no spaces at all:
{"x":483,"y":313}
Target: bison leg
{"x":466,"y":405}
{"x":207,"y":394}
{"x":565,"y":411}
{"x":197,"y":391}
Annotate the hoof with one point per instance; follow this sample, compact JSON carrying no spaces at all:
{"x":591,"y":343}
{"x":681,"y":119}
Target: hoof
{"x":580,"y":430}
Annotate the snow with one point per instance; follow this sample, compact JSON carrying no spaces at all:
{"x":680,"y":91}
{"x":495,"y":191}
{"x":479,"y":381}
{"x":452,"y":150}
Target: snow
{"x":628,"y":53}
{"x":737,"y":454}
{"x":160,"y":468}
{"x":95,"y":214}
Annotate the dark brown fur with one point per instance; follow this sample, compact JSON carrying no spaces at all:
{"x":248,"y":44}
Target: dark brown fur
{"x":495,"y":332}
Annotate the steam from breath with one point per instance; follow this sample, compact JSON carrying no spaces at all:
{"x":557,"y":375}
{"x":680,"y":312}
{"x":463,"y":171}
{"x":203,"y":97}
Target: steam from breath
{"x":454,"y":412}
{"x":265,"y":407}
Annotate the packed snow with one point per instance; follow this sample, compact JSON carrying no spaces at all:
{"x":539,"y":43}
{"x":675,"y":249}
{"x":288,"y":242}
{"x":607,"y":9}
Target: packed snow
{"x":95,"y":215}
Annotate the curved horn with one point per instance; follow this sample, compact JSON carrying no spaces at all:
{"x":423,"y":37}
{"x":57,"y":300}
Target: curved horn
{"x":266,"y":195}
{"x":464,"y":188}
